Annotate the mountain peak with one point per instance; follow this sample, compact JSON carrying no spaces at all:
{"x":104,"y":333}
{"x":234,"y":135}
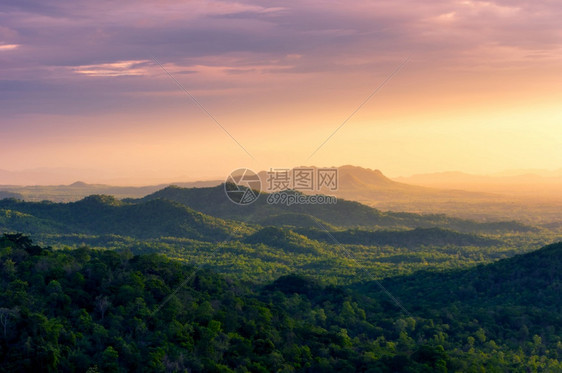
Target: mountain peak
{"x":360,"y":175}
{"x":79,"y":184}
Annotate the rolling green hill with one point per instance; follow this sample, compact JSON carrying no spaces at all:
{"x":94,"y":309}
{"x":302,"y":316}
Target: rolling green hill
{"x":284,"y":239}
{"x":515,"y":300}
{"x":107,"y":215}
{"x":288,"y":241}
{"x":533,"y":279}
{"x":213,"y":201}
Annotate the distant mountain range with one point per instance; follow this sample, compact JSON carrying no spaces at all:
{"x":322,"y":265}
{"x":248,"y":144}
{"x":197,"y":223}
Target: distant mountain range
{"x":207,"y":215}
{"x":79,"y":190}
{"x":354,"y":183}
{"x":373,"y":187}
{"x":529,"y":198}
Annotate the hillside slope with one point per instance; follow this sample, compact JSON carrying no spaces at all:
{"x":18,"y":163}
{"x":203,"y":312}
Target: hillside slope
{"x":213,"y":201}
{"x":511,"y":299}
{"x":534,"y":278}
{"x":101,"y":310}
{"x":107,"y":215}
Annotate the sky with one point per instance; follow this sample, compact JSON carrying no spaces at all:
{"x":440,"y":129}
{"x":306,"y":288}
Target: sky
{"x":136,"y":92}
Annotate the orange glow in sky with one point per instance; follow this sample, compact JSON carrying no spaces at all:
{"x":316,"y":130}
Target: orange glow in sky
{"x":81,"y":90}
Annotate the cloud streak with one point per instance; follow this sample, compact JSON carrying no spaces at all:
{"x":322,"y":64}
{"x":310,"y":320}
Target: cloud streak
{"x":8,"y":47}
{"x":120,"y":68}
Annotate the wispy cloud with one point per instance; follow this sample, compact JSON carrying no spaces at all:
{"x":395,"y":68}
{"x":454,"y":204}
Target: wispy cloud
{"x":120,"y":68}
{"x":8,"y":47}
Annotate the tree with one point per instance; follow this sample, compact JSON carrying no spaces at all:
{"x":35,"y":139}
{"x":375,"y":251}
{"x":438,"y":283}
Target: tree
{"x":6,"y":315}
{"x":102,"y":304}
{"x":110,"y":360}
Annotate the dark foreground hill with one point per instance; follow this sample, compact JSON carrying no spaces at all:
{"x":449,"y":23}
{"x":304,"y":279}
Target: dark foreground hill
{"x":512,"y":300}
{"x":533,"y":279}
{"x":96,"y":310}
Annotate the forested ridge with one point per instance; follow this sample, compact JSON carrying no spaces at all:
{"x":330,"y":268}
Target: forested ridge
{"x":273,"y":240}
{"x":344,"y":213}
{"x":107,"y":310}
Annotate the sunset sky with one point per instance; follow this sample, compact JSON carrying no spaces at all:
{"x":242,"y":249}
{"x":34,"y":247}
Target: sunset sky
{"x":81,"y":91}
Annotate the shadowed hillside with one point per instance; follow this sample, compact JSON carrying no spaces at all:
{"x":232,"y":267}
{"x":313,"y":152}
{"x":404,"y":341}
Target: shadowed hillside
{"x":107,"y":215}
{"x":213,"y":201}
